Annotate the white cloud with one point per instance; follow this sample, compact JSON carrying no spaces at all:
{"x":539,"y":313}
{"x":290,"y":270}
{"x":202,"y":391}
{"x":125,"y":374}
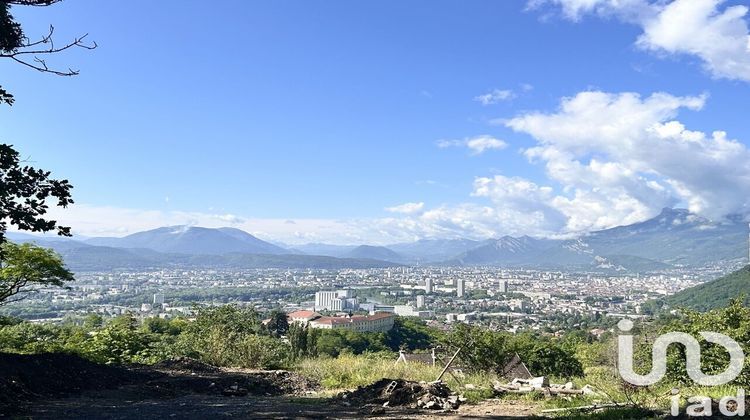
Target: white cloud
{"x":89,"y":220}
{"x":719,"y":37}
{"x":609,"y":159}
{"x":463,"y":220}
{"x":698,"y":27}
{"x":477,"y":145}
{"x":495,"y":96}
{"x":628,"y":10}
{"x":620,"y":158}
{"x":406,"y":208}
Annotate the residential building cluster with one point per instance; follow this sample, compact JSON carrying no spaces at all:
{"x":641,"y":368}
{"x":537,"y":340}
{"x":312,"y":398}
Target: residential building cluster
{"x":506,"y":298}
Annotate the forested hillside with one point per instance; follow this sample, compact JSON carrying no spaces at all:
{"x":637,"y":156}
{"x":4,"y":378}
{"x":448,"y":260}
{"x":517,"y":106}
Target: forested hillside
{"x":713,"y":294}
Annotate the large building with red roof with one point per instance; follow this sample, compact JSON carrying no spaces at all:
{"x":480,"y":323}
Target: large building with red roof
{"x":378,"y":322}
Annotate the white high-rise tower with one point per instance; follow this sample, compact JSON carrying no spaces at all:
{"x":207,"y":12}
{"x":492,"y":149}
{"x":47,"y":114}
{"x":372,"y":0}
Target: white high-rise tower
{"x":460,"y":287}
{"x":428,"y":285}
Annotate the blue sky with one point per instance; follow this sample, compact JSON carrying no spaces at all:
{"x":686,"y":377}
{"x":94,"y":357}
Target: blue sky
{"x":307,"y":120}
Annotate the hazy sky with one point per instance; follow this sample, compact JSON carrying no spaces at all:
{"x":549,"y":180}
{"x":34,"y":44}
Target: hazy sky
{"x":384,"y":121}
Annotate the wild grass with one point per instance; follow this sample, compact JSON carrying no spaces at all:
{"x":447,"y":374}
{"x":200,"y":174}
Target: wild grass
{"x":349,"y":371}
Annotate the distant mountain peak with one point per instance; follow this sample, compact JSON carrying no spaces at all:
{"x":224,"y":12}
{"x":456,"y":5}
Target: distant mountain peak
{"x":179,"y":229}
{"x":375,"y":253}
{"x":194,"y":240}
{"x":669,"y":211}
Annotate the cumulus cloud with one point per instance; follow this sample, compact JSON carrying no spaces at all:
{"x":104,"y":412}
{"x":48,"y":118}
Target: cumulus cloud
{"x":620,"y":158}
{"x":406,"y":208}
{"x":463,"y":220}
{"x":608,"y":158}
{"x":700,"y":28}
{"x":495,"y":96}
{"x":477,"y":145}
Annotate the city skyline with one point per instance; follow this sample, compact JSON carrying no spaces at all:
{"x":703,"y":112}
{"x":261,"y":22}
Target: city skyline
{"x":437,"y":122}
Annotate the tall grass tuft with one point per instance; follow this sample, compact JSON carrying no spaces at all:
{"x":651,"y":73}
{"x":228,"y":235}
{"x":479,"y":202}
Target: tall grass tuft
{"x":349,"y":371}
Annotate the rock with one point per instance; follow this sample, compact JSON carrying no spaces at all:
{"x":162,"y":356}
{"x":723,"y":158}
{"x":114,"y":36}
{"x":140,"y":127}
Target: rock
{"x":589,"y":390}
{"x":539,"y":382}
{"x":234,"y":391}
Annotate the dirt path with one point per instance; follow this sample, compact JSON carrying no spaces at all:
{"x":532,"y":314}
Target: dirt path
{"x":113,"y":405}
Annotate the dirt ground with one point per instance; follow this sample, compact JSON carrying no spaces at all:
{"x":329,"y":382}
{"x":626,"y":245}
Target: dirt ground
{"x":112,"y":405}
{"x":58,"y":386}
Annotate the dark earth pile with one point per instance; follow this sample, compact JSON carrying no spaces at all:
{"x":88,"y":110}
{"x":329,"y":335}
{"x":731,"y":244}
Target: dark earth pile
{"x":401,"y":393}
{"x":26,"y":377}
{"x":288,"y":382}
{"x":186,"y":365}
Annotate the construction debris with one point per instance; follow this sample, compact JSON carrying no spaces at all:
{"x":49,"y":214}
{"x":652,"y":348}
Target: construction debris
{"x":515,"y":368}
{"x":540,"y":384}
{"x":401,"y":393}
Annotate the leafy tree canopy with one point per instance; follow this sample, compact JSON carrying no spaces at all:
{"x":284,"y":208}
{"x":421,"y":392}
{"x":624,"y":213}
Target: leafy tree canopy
{"x":26,"y":267}
{"x":25,"y":193}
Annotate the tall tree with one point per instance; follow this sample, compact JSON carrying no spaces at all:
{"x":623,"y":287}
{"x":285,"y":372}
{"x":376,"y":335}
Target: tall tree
{"x":278,"y":324}
{"x":27,"y":267}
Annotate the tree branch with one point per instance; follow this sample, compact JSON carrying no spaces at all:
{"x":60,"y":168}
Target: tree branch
{"x":39,"y":64}
{"x":32,"y":2}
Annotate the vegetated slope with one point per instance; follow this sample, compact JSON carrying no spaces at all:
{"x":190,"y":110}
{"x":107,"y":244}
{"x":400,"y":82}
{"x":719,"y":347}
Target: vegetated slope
{"x":99,"y":258}
{"x":675,"y":237}
{"x":507,"y":250}
{"x":103,"y":258}
{"x":325,"y":249}
{"x":713,"y":294}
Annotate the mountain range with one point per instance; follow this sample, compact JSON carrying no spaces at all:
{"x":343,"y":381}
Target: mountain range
{"x":673,"y":238}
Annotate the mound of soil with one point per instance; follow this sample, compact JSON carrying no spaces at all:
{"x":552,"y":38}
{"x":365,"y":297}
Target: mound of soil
{"x":401,"y":393}
{"x":195,"y":376}
{"x":289,"y":382}
{"x":28,"y":376}
{"x":261,"y":383}
{"x":186,"y":365}
{"x":40,"y":377}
